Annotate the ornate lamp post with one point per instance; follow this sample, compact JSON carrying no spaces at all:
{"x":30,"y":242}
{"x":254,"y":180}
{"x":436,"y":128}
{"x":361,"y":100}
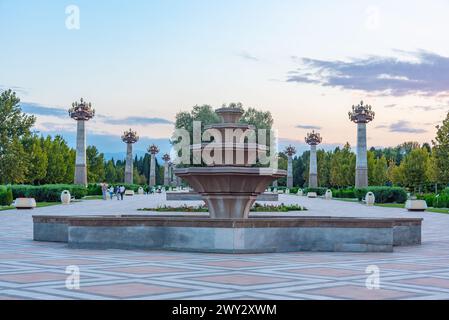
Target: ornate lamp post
{"x":129,"y":137}
{"x":290,"y":151}
{"x":361,"y":114}
{"x":166,"y":159}
{"x":81,"y":112}
{"x":153,"y":150}
{"x":313,"y":139}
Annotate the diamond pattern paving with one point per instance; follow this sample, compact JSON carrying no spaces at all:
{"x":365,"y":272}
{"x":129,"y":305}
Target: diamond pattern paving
{"x":37,"y":270}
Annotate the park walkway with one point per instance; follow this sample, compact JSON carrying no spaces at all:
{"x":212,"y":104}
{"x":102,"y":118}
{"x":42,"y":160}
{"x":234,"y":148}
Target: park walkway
{"x":36,"y":270}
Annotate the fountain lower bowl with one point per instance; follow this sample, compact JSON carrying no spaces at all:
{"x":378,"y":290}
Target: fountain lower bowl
{"x":229,"y":192}
{"x":253,"y":235}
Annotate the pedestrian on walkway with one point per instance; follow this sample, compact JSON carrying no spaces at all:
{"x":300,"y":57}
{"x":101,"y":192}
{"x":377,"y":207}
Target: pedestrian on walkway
{"x":122,"y":192}
{"x":104,"y":189}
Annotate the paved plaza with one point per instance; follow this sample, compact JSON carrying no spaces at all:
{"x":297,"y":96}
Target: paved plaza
{"x":36,"y":270}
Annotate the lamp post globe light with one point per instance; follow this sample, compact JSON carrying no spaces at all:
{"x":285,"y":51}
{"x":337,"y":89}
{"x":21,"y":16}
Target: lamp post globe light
{"x":81,"y":112}
{"x":290,"y":151}
{"x":129,"y":137}
{"x":361,"y":114}
{"x":153,"y":150}
{"x":313,"y":139}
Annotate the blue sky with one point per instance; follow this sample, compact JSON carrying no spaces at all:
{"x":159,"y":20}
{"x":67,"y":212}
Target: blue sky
{"x":140,"y":62}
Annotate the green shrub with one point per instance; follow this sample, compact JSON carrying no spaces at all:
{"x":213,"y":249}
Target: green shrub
{"x":442,"y":201}
{"x":344,"y":193}
{"x":6,"y":197}
{"x":319,"y":191}
{"x":383,"y":194}
{"x":94,"y":189}
{"x":48,"y":193}
{"x":446,"y":191}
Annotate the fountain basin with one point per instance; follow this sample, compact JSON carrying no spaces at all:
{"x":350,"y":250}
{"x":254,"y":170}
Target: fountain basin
{"x":253,"y":235}
{"x":229,"y":192}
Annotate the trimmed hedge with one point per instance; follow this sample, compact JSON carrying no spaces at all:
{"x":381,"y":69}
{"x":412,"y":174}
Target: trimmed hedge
{"x":384,"y":194}
{"x":6,"y":197}
{"x":433,"y":201}
{"x":344,"y":193}
{"x":47,"y":193}
{"x":319,"y":191}
{"x":94,"y":189}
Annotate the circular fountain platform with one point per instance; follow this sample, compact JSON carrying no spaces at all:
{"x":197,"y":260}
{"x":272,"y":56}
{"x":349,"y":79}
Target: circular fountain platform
{"x":253,"y":235}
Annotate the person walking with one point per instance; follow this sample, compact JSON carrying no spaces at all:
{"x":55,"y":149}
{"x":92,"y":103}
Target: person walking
{"x":104,"y":189}
{"x":117,"y":192}
{"x":111,"y":192}
{"x":122,"y":192}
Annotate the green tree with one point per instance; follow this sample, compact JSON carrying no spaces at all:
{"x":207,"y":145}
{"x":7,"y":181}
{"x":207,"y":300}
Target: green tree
{"x":95,"y":165}
{"x":380,"y":176}
{"x":415,"y":167}
{"x":38,"y":160}
{"x":441,"y":149}
{"x":14,"y":125}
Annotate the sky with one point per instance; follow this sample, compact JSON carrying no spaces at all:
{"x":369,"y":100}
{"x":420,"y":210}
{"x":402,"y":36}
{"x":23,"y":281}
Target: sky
{"x":308,"y":62}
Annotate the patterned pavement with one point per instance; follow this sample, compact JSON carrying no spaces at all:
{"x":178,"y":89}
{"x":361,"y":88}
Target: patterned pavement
{"x":37,"y":270}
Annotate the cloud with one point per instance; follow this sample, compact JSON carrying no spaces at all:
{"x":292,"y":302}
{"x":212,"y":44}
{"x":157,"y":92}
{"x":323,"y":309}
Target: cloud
{"x":423,"y":73}
{"x":247,"y":56}
{"x":137,"y":121}
{"x":428,"y":108}
{"x":390,"y":106}
{"x":16,"y":89}
{"x":309,"y":127}
{"x":37,"y":109}
{"x":401,"y":126}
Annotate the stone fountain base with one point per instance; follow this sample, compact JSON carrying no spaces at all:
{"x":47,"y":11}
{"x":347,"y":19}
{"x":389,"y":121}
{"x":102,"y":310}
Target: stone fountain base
{"x":253,"y":235}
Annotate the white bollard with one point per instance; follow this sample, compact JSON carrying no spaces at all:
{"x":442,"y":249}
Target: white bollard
{"x":370,"y":199}
{"x":328,"y":194}
{"x":65,"y":197}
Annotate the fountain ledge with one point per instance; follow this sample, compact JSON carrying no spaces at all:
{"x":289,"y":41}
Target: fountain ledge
{"x":253,"y":235}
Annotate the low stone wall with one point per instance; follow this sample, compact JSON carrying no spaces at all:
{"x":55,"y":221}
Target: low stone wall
{"x":252,"y":235}
{"x":193,"y":196}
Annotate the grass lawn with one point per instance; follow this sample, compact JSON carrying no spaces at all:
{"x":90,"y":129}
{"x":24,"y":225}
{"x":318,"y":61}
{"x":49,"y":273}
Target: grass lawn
{"x":92,"y":198}
{"x":38,"y":205}
{"x":401,"y":205}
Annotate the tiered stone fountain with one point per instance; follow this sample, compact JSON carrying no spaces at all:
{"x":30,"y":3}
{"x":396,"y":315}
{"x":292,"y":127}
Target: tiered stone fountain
{"x":231,"y":187}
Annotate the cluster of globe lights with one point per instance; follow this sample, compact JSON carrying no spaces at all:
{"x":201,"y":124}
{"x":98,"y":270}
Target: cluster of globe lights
{"x":81,"y":110}
{"x":361,"y":113}
{"x":153,"y":149}
{"x":130,"y":136}
{"x":290,"y":150}
{"x":313,"y":138}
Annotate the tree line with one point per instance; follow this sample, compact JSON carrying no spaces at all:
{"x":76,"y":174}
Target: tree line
{"x":28,"y":158}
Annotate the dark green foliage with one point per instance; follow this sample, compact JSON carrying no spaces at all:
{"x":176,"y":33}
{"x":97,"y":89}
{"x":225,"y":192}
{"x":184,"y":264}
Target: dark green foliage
{"x":6,"y":197}
{"x":319,"y":191}
{"x":432,"y":200}
{"x":344,"y":193}
{"x":47,"y":193}
{"x":383,"y":194}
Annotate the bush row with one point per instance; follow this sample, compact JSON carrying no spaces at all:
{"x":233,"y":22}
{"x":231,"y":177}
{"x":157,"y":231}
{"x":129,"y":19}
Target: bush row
{"x":442,"y":201}
{"x":384,"y":194}
{"x":47,"y":193}
{"x":6,"y":197}
{"x":344,"y":193}
{"x":319,"y":191}
{"x":94,"y":189}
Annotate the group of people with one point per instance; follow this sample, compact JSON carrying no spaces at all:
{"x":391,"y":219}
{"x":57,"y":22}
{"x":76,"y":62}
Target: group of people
{"x":117,"y":191}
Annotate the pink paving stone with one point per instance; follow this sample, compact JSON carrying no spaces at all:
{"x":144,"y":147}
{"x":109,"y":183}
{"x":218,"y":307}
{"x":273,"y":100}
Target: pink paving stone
{"x":146,"y":270}
{"x":67,"y":262}
{"x":333,"y":272}
{"x":405,"y":266}
{"x":17,"y":256}
{"x":233,"y":264}
{"x":156,"y":258}
{"x":129,"y":290}
{"x":241,"y":279}
{"x":428,"y":281}
{"x":33,"y":277}
{"x":360,"y":293}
